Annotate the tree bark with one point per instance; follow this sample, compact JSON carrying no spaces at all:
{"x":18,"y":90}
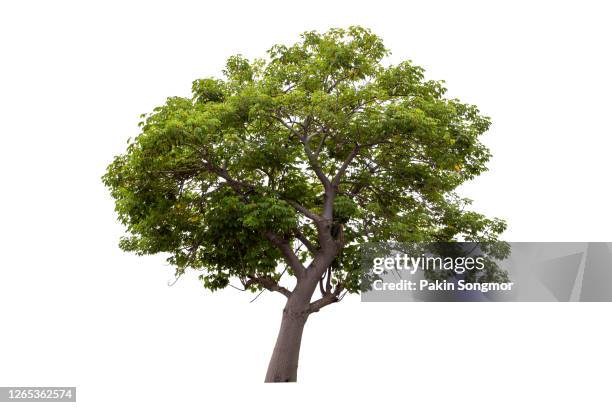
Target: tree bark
{"x":284,"y":362}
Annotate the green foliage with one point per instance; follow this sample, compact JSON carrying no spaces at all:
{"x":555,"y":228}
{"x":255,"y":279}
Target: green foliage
{"x":210,"y":176}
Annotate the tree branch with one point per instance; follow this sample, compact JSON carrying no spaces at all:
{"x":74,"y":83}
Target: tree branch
{"x":345,"y":164}
{"x":314,"y":163}
{"x":268,"y":283}
{"x":303,"y":210}
{"x":321,"y":143}
{"x":321,"y":285}
{"x":326,"y":300}
{"x":288,"y":254}
{"x":291,"y":129}
{"x":312,"y":159}
{"x":304,"y":240}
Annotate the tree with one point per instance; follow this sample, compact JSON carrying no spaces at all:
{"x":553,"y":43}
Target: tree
{"x":290,"y":163}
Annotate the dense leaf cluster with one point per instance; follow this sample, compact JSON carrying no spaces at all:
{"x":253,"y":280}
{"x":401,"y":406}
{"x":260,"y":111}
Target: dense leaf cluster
{"x":218,"y":178}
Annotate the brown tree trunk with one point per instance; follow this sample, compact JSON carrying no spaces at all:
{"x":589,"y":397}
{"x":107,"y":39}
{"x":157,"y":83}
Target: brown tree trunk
{"x":284,"y":362}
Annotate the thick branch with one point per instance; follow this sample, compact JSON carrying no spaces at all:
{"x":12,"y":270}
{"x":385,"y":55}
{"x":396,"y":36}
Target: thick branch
{"x":268,"y":283}
{"x":304,"y":210}
{"x":304,"y":240}
{"x":328,"y":203}
{"x":290,"y":256}
{"x":314,"y":164}
{"x":326,"y":300}
{"x":344,"y":166}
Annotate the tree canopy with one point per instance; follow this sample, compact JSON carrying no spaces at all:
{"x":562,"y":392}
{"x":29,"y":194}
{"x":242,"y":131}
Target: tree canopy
{"x":319,"y":144}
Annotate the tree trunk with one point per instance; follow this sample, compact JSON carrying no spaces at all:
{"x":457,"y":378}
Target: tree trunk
{"x":284,"y":362}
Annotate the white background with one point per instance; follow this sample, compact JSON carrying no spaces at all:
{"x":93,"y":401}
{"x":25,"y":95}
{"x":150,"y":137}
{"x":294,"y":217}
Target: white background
{"x":74,"y":76}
